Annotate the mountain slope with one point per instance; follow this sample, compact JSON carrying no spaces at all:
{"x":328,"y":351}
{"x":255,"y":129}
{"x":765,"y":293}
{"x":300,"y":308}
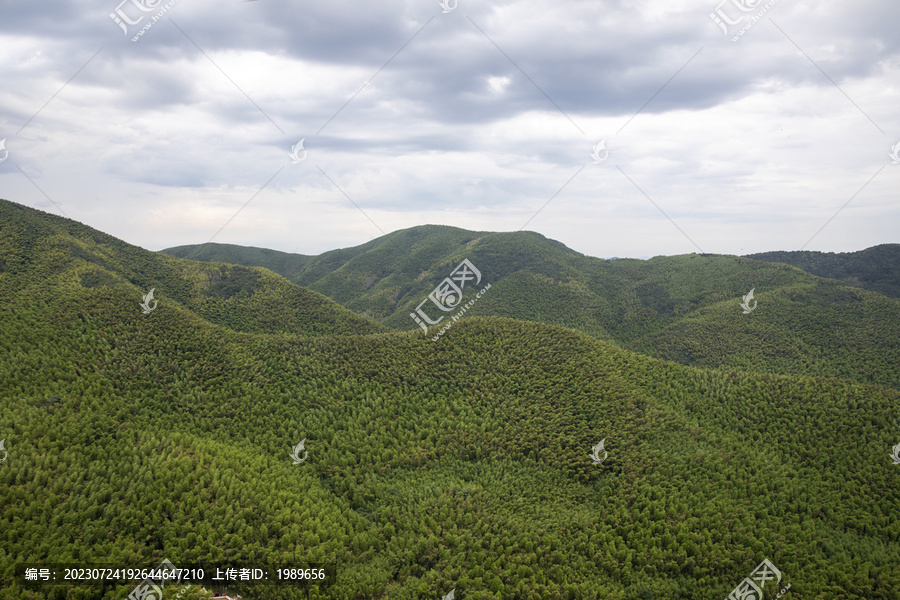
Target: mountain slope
{"x":876,"y":268}
{"x":89,"y":269}
{"x":284,"y":263}
{"x":457,"y":464}
{"x":812,"y":328}
{"x":669,"y":307}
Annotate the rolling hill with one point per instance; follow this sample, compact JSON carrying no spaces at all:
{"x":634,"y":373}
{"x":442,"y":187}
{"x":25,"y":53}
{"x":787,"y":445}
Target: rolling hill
{"x":876,"y":268}
{"x":458,"y":464}
{"x":87,"y":267}
{"x":680,"y":308}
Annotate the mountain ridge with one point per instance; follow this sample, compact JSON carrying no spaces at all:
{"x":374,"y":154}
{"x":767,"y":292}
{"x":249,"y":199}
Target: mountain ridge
{"x":668,"y":307}
{"x":876,"y":268}
{"x":241,"y":298}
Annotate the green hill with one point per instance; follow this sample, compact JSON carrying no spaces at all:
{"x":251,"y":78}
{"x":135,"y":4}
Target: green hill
{"x":458,"y":464}
{"x":63,"y":263}
{"x":284,"y":263}
{"x":876,"y":268}
{"x":681,"y":308}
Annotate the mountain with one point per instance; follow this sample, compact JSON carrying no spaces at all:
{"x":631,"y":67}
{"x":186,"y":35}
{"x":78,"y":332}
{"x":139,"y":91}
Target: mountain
{"x":284,"y":263}
{"x":680,"y":308}
{"x":876,"y":268}
{"x":461,"y":463}
{"x":91,"y":269}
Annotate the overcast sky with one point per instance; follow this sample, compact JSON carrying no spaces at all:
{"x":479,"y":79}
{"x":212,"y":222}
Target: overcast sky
{"x":482,"y":117}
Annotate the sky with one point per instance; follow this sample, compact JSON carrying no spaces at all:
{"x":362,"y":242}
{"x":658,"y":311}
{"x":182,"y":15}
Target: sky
{"x":630,"y":129}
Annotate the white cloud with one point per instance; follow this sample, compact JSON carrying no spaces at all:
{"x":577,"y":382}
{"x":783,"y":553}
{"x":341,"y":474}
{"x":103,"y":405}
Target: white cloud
{"x":750,"y":147}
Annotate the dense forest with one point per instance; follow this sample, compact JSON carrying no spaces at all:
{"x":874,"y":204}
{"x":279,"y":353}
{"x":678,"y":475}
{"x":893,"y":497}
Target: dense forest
{"x":679,"y":308}
{"x":463,"y":464}
{"x":876,"y":268}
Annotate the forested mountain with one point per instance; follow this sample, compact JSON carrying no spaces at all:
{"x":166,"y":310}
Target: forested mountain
{"x":285,"y":264}
{"x":88,"y":268}
{"x":876,"y":268}
{"x":462,"y":463}
{"x":681,"y":308}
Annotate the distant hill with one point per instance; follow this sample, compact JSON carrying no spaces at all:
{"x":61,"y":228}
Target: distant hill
{"x":681,"y":308}
{"x":462,"y":464}
{"x":284,"y":263}
{"x":876,"y":268}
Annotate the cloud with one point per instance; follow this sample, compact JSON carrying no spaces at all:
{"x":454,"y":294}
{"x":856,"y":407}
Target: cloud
{"x":476,"y":118}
